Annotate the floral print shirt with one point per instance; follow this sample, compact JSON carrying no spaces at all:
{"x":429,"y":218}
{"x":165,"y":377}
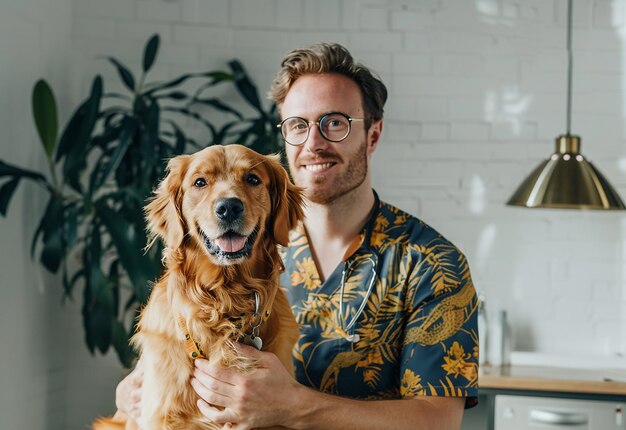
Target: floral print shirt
{"x":403,"y":324}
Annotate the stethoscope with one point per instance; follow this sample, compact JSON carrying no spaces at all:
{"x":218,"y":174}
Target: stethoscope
{"x":349,"y":265}
{"x":348,"y":268}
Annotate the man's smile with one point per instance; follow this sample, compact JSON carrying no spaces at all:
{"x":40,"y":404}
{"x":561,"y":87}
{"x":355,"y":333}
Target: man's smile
{"x":318,"y":167}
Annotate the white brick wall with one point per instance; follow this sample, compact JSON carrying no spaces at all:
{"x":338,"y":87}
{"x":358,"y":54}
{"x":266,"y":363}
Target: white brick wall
{"x":35,"y":36}
{"x":477,"y":96}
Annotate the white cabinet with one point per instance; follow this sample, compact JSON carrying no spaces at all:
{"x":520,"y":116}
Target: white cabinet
{"x":530,"y":412}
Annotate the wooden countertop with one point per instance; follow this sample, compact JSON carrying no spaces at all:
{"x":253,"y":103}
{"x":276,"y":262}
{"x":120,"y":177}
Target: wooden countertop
{"x":553,"y":379}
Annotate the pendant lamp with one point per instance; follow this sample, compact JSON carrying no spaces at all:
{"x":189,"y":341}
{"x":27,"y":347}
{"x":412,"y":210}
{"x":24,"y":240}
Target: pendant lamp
{"x":566,"y":180}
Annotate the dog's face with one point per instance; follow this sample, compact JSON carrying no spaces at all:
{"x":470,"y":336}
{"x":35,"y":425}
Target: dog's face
{"x":225,"y":199}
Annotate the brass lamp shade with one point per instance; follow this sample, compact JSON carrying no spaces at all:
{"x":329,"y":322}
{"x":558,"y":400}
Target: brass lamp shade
{"x":566,"y":181}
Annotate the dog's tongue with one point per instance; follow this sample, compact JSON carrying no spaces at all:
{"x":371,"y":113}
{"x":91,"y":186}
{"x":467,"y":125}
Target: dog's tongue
{"x":231,"y":242}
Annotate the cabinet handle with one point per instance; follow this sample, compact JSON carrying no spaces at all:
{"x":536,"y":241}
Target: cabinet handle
{"x":544,"y":416}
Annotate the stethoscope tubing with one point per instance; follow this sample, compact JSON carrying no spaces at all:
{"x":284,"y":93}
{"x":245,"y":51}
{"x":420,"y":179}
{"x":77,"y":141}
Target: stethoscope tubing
{"x":368,"y":292}
{"x":372,"y":256}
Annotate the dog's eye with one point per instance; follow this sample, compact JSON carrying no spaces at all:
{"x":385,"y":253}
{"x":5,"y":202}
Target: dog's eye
{"x":253,"y":179}
{"x":200,"y":182}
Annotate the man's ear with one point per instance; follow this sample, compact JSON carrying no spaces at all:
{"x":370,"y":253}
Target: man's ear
{"x":374,"y":133}
{"x":164,"y":211}
{"x":287,"y":202}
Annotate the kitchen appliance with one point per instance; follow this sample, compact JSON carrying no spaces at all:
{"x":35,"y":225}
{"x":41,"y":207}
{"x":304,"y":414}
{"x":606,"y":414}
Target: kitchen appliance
{"x":548,"y":413}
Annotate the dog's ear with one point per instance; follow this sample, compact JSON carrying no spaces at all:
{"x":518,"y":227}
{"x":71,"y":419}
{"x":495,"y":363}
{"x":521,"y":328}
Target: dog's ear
{"x":164,"y":211}
{"x":287,"y":202}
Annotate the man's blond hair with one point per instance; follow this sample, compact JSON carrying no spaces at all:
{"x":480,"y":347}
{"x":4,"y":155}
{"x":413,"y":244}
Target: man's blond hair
{"x":330,"y":58}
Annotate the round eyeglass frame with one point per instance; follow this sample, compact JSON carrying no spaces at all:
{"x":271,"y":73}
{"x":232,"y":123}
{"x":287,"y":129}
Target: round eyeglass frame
{"x":319,"y":123}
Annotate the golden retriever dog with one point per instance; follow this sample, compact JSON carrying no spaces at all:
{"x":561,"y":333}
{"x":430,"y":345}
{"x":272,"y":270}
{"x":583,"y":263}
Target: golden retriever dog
{"x":221,"y":213}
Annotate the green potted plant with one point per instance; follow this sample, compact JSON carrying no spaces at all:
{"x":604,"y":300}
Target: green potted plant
{"x":101,"y":170}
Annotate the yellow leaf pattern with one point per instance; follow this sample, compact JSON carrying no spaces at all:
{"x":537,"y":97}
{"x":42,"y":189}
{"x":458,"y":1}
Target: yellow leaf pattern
{"x":306,"y":274}
{"x":411,"y":384}
{"x":417,"y":332}
{"x":457,"y":363}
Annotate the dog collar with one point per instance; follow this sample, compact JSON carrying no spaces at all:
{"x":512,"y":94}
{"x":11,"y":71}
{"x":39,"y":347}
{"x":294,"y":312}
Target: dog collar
{"x":251,"y":338}
{"x":192,"y":348}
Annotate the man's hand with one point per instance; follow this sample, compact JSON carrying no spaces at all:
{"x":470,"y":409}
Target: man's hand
{"x":269,"y":396}
{"x":260,"y":398}
{"x":128,"y":393}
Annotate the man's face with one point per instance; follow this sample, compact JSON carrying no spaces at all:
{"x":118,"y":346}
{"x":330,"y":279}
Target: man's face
{"x":328,"y":170}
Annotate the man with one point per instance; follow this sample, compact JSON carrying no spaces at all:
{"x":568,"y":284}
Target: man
{"x":416,"y":336}
{"x":386,"y":304}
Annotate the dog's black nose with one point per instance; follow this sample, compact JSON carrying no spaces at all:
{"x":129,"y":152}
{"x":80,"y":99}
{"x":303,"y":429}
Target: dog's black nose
{"x":229,"y":209}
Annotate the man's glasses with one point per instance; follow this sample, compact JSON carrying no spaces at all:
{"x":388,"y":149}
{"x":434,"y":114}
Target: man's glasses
{"x":334,"y":126}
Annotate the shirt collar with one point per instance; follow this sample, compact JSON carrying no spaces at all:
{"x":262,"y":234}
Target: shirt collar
{"x":364,"y":237}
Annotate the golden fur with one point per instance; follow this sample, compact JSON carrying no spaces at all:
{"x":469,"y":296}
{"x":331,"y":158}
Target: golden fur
{"x":214,"y":293}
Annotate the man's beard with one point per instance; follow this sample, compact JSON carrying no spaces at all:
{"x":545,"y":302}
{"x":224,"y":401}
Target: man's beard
{"x":352,"y":178}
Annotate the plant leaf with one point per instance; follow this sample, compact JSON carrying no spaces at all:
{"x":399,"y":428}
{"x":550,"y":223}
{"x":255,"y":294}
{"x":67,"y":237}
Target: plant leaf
{"x":11,"y":170}
{"x":262,"y":141}
{"x":218,"y":77}
{"x":245,"y":86}
{"x":110,"y":134}
{"x":82,"y":122}
{"x":100,"y":176}
{"x":53,"y":250}
{"x":70,"y":225}
{"x":149,"y":137}
{"x":6,"y":192}
{"x":98,"y":310}
{"x":132,"y":301}
{"x":45,"y":115}
{"x":17,"y":173}
{"x":118,"y":96}
{"x":148,"y":144}
{"x":150,"y":52}
{"x":125,"y":74}
{"x":181,"y":139}
{"x":36,"y":235}
{"x":69,"y":286}
{"x":115,"y":278}
{"x":242,"y":136}
{"x":121,"y":343}
{"x":217,"y":104}
{"x":221,"y":135}
{"x":129,"y":244}
{"x":174,"y":95}
{"x":193,"y":115}
{"x":95,"y":319}
{"x":197,"y":145}
{"x":75,"y":141}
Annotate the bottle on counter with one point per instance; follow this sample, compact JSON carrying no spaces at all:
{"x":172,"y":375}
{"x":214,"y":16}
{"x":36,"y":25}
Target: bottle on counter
{"x":499,"y":350}
{"x":507,"y":340}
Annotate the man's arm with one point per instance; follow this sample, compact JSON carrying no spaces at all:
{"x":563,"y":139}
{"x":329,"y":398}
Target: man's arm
{"x":323,"y":411}
{"x":269,"y":396}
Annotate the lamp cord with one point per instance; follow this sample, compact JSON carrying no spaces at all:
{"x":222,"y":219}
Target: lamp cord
{"x":569,"y":65}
